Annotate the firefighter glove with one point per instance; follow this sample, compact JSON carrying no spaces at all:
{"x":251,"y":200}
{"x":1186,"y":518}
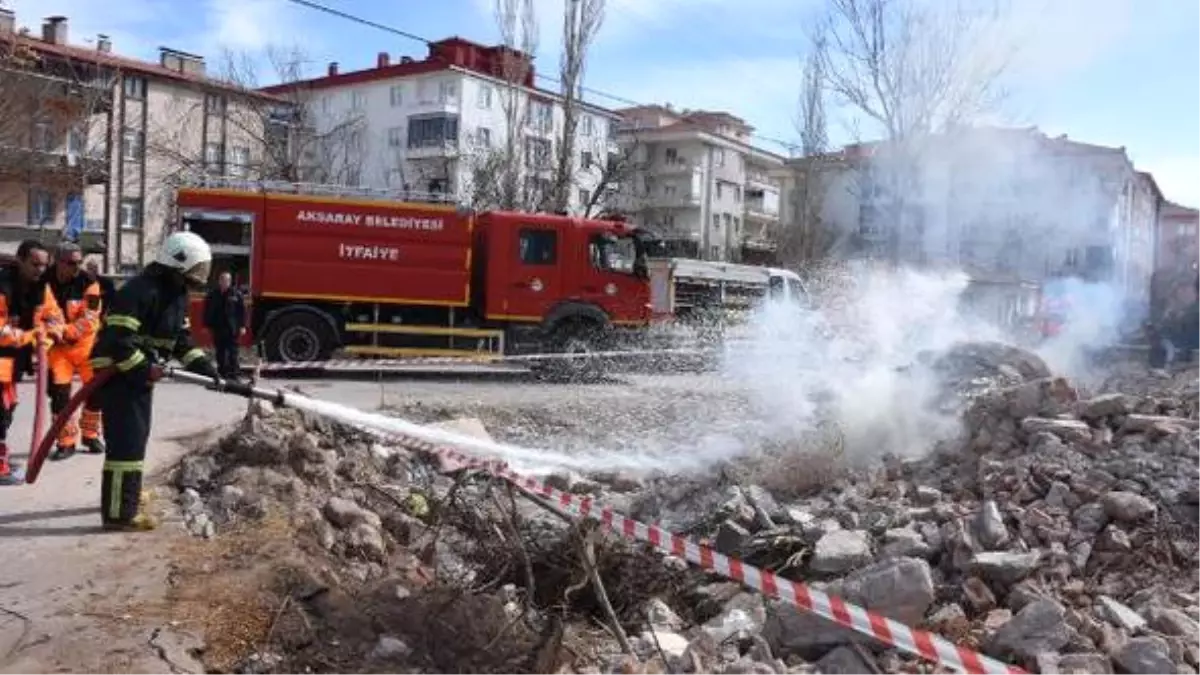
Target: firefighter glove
{"x":155,"y":373}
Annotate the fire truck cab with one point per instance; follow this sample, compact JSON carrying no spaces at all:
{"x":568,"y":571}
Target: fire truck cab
{"x":374,"y":276}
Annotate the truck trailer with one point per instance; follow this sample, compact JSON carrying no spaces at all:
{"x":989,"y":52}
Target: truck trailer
{"x":376,"y":277}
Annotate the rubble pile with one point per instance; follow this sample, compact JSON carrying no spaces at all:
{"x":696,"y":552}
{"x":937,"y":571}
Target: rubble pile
{"x":402,"y":568}
{"x":1059,"y":533}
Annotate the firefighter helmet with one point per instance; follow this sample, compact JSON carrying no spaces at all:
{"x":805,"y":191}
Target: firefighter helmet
{"x":188,"y":253}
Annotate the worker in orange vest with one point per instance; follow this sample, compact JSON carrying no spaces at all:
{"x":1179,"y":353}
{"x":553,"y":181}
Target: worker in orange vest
{"x":28,"y":312}
{"x":79,"y":299}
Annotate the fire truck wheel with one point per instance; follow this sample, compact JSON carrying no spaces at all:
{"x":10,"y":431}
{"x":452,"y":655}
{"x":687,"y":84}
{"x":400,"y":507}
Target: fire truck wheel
{"x":578,"y":341}
{"x":299,"y":336}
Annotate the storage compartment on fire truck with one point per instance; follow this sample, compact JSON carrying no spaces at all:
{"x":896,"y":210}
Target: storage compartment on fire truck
{"x":229,"y":233}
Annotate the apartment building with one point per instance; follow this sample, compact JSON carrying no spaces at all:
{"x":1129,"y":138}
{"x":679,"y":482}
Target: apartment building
{"x":1012,"y":203}
{"x":1179,"y":256}
{"x":439,"y":128}
{"x":698,"y":182}
{"x":95,"y":143}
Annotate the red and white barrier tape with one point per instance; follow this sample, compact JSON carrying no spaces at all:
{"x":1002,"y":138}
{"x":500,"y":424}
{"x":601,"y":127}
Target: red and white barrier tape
{"x":481,"y":358}
{"x":859,"y":619}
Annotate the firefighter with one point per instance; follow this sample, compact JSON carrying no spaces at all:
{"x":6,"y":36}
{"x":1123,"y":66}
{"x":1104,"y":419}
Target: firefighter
{"x":146,"y":325}
{"x":27,"y":308}
{"x":79,"y":299}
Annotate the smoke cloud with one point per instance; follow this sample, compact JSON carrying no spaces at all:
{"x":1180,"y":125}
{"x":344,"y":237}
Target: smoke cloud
{"x":855,"y":360}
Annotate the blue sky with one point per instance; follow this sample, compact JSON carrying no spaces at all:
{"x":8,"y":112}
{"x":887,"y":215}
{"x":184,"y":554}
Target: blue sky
{"x":1112,"y":72}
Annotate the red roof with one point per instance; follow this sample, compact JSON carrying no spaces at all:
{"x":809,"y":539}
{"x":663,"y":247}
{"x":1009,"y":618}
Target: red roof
{"x":448,"y":54}
{"x":117,"y":62}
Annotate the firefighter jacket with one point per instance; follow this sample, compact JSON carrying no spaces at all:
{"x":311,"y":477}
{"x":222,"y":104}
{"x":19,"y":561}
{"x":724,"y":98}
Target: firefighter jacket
{"x":25,"y":308}
{"x":79,"y":301}
{"x":148,"y":324}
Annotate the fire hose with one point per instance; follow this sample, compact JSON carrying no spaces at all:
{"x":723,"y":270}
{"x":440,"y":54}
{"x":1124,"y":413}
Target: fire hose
{"x":44,"y":442}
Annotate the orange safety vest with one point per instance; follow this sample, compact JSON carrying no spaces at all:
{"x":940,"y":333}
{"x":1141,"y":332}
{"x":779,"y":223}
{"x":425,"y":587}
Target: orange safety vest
{"x":79,"y":302}
{"x":19,"y":323}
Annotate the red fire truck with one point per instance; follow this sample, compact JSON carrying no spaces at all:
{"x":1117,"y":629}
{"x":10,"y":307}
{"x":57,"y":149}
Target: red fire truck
{"x":375,"y":276}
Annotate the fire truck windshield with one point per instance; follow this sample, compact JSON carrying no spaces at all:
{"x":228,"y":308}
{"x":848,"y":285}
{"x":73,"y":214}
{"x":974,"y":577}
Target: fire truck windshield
{"x":613,"y":253}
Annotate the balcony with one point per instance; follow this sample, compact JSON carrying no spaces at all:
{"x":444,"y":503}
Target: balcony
{"x":432,"y":149}
{"x":19,"y":163}
{"x":675,"y":167}
{"x":760,"y":180}
{"x":674,"y":200}
{"x":761,"y":205}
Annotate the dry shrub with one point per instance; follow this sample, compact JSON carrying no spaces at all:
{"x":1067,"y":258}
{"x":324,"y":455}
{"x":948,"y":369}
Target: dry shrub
{"x":221,"y":588}
{"x":798,"y":470}
{"x":457,"y":631}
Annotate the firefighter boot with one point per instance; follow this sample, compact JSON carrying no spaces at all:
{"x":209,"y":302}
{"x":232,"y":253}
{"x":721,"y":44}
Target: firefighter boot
{"x":8,"y":473}
{"x":123,"y":508}
{"x":62,"y":452}
{"x":89,"y":422}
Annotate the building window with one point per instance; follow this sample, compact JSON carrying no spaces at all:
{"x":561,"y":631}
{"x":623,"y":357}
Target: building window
{"x":353,"y":176}
{"x":585,"y":160}
{"x":537,"y":153}
{"x":396,"y":95}
{"x":541,"y":117}
{"x":395,"y":137}
{"x":671,"y":156}
{"x":716,"y":221}
{"x":428,"y":131}
{"x":130,"y":216}
{"x":214,"y":104}
{"x":447,"y":92}
{"x":483,"y":136}
{"x":135,"y":88}
{"x":587,"y":125}
{"x":239,"y":161}
{"x":485,"y":96}
{"x":75,"y":144}
{"x":358,"y":100}
{"x":41,"y":207}
{"x":212,"y":156}
{"x":42,"y":139}
{"x":720,"y":189}
{"x":132,"y":144}
{"x":585,"y":198}
{"x":538,"y":247}
{"x":719,"y":156}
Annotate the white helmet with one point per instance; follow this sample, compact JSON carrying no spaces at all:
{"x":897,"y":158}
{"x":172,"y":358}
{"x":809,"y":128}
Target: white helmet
{"x":188,"y":253}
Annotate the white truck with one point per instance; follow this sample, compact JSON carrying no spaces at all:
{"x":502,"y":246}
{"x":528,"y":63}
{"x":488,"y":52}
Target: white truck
{"x":706,"y":298}
{"x":681,"y":288}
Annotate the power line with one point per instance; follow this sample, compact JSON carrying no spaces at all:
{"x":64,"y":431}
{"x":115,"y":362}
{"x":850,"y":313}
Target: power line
{"x":353,"y":18}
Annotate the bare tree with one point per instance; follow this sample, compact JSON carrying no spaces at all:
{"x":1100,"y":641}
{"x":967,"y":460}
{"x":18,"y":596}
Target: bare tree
{"x":54,"y":133}
{"x":911,"y":68}
{"x":517,"y":22}
{"x":581,"y":23}
{"x":273,"y":133}
{"x":807,"y":238}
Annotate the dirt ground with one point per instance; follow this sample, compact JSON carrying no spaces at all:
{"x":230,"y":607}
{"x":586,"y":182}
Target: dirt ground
{"x":74,"y":599}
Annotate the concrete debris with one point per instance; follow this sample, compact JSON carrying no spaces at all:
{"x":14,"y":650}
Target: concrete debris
{"x":1059,"y":532}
